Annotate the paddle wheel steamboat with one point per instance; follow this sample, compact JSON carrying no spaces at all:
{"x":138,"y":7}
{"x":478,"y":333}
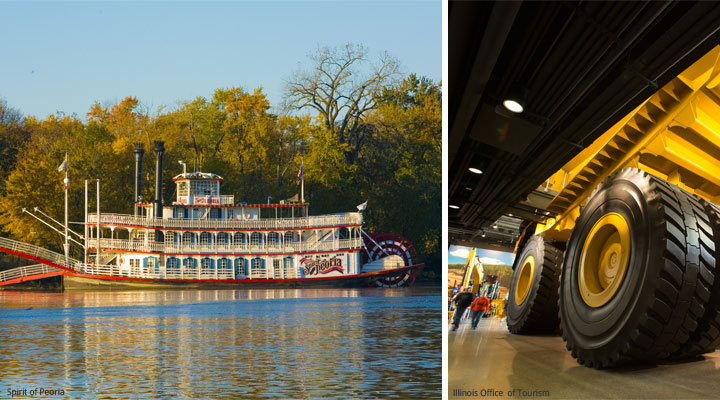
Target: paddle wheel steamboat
{"x":207,"y":239}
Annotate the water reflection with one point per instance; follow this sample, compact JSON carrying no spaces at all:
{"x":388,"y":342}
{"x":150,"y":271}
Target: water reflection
{"x":18,"y":299}
{"x":345,"y":343}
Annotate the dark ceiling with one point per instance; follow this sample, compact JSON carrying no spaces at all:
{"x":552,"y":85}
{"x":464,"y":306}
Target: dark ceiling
{"x":581,"y":66}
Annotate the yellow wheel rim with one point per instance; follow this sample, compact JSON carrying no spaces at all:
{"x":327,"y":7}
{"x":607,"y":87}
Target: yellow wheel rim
{"x":525,"y":279}
{"x":604,"y":260}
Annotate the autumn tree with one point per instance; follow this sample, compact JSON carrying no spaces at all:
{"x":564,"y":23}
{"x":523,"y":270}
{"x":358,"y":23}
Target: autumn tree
{"x":400,"y":171}
{"x":35,"y":181}
{"x":342,"y":87}
{"x":199,"y":125}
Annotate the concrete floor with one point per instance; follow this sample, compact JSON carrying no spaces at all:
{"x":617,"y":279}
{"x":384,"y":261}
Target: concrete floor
{"x":490,"y":358}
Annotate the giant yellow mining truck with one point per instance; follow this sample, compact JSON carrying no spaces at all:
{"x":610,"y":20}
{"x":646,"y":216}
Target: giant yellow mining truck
{"x":629,"y":269}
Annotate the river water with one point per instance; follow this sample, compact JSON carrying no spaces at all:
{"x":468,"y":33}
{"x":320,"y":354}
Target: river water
{"x":284,"y":344}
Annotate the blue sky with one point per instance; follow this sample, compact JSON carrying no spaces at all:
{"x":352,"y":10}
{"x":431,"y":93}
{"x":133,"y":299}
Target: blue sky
{"x":60,"y":56}
{"x":459,"y":254}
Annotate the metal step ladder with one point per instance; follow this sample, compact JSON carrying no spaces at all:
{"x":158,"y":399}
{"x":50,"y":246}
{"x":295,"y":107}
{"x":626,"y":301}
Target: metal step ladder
{"x":37,"y":253}
{"x":32,"y":272}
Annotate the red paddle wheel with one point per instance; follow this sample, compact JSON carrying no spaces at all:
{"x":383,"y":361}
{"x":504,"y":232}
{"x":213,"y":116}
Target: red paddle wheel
{"x":384,"y":244}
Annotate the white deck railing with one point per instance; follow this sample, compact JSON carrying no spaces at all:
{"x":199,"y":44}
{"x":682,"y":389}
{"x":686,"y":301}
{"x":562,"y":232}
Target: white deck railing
{"x":295,"y":247}
{"x":265,"y":223}
{"x":148,"y":273}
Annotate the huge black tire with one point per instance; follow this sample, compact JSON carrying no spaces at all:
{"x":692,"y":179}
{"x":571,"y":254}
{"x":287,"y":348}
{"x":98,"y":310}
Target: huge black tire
{"x":650,"y":310}
{"x":532,"y":301}
{"x":706,"y":337}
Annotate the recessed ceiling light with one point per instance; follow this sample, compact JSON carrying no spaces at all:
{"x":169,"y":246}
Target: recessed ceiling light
{"x":453,"y":206}
{"x":474,"y":170}
{"x":469,"y":188}
{"x":483,"y":235}
{"x":495,"y":226}
{"x":510,"y":215}
{"x":513,"y":105}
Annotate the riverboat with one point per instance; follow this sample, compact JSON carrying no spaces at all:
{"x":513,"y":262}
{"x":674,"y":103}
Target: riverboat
{"x":206,"y":239}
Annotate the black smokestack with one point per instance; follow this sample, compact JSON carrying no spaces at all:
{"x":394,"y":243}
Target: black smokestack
{"x":139,"y":151}
{"x":159,"y":149}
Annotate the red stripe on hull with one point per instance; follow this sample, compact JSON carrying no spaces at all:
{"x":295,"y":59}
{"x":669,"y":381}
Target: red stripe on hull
{"x":323,"y":278}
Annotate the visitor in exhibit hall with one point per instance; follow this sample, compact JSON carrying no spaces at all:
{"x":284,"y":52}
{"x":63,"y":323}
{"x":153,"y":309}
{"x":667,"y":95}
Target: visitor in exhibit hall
{"x":478,"y":308}
{"x":462,"y":301}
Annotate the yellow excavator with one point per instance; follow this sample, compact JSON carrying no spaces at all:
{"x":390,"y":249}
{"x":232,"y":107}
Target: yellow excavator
{"x":629,"y":268}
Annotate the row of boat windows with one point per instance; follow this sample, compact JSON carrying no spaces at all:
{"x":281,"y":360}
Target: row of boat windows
{"x":212,"y":213}
{"x":241,"y":265}
{"x":238,"y":238}
{"x":201,"y":188}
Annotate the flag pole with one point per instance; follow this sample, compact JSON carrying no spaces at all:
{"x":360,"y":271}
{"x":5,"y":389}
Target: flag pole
{"x":302,"y":180}
{"x":86,"y":224}
{"x":66,"y":181}
{"x":97,"y":253}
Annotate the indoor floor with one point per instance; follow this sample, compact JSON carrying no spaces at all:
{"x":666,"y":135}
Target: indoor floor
{"x":489,"y":360}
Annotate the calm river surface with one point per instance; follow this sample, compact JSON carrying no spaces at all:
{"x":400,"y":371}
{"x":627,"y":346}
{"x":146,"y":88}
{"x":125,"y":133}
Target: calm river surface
{"x":304,"y":344}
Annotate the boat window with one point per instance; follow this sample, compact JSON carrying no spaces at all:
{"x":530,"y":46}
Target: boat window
{"x":258,"y":269}
{"x":288,"y":268}
{"x":240,"y":238}
{"x":205,"y":238}
{"x":273,"y":238}
{"x":183,"y":189}
{"x":187,"y":238}
{"x":222,"y":238}
{"x":205,"y":188}
{"x":240,"y":266}
{"x":291,"y":237}
{"x":277,"y":272}
{"x":255,"y":238}
{"x":215,"y":213}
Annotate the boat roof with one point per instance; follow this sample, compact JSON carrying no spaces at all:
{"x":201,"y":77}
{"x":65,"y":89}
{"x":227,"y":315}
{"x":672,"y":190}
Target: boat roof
{"x":208,"y":176}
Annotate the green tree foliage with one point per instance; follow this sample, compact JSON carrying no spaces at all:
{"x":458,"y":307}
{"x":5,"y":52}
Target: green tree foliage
{"x":400,"y":170}
{"x":391,"y":129}
{"x":12,"y":138}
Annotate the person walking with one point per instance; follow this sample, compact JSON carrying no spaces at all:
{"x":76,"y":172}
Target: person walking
{"x":478,"y":308}
{"x":462,"y":301}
